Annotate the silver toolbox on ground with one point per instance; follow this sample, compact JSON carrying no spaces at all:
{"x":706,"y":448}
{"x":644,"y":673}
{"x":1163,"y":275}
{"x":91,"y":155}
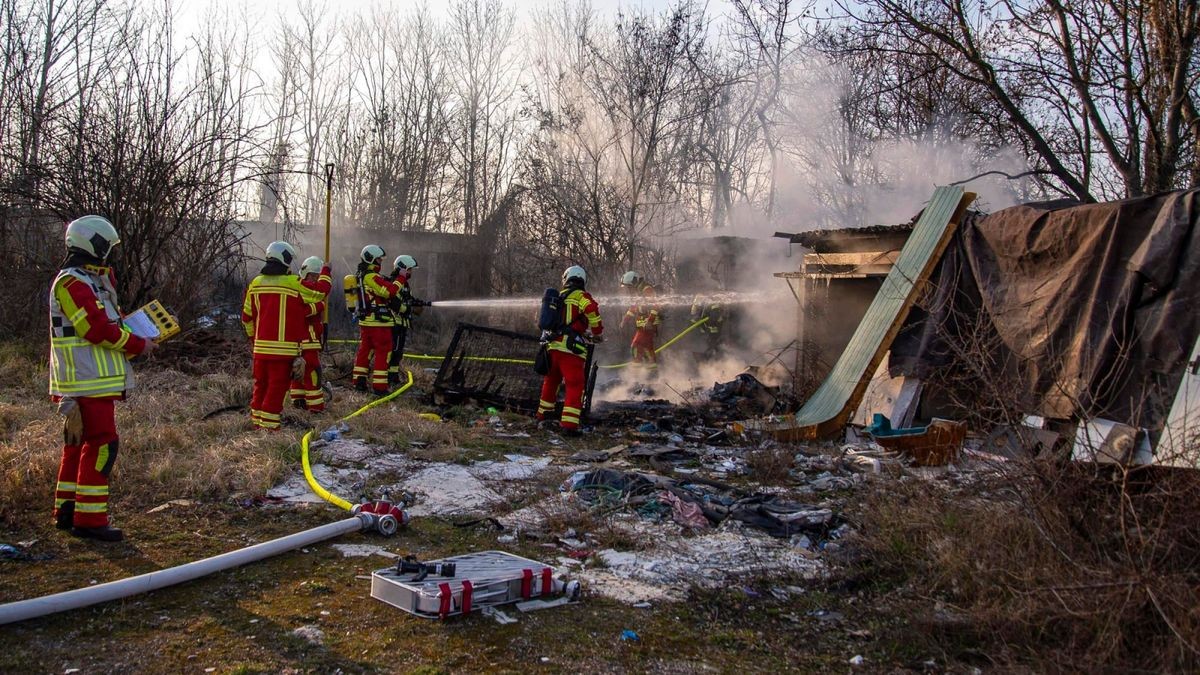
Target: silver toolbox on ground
{"x":482,"y":579}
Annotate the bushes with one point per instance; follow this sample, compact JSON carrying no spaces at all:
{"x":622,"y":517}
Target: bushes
{"x":1058,"y":566}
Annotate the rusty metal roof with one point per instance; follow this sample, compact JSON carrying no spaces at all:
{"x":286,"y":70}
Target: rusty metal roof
{"x":836,"y":240}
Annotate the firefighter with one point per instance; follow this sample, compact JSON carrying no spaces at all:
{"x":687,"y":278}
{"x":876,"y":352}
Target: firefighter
{"x":89,"y":372}
{"x":275,"y":316}
{"x":375,"y":321}
{"x":315,"y":275}
{"x":712,"y":329}
{"x":402,"y":305}
{"x":568,"y":350}
{"x":645,"y":318}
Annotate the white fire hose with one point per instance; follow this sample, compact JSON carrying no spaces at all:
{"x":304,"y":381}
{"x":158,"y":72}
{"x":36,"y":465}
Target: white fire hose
{"x":381,"y":517}
{"x":122,"y":588}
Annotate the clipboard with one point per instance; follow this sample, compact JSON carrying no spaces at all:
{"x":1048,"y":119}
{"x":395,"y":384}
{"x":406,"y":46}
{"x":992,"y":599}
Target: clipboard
{"x":152,"y":322}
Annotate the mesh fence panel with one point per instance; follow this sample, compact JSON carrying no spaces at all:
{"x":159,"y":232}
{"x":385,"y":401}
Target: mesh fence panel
{"x":494,"y":366}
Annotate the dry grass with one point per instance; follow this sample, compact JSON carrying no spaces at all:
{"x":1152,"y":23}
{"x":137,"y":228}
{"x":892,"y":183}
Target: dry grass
{"x":167,"y":450}
{"x":772,"y":464}
{"x":1062,"y":567}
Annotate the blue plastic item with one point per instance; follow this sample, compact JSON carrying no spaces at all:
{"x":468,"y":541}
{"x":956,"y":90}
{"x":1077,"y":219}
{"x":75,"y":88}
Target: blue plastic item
{"x":881,"y":426}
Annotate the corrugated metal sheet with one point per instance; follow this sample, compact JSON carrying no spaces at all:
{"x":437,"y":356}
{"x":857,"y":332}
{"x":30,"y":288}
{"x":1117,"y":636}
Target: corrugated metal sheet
{"x":833,"y":403}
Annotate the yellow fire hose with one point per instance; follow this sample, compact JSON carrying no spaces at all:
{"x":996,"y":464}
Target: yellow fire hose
{"x":308,"y":474}
{"x":529,"y":362}
{"x":342,"y":503}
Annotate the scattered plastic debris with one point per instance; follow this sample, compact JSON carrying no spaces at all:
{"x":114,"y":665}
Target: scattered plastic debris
{"x":310,"y":634}
{"x":629,"y":636}
{"x":534,"y":605}
{"x":363,"y":550}
{"x":500,"y":617}
{"x":334,"y":432}
{"x":10,"y":552}
{"x":173,"y":502}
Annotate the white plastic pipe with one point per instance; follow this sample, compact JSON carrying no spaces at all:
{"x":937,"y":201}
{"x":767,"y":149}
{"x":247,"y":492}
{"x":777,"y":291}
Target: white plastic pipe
{"x":122,"y":588}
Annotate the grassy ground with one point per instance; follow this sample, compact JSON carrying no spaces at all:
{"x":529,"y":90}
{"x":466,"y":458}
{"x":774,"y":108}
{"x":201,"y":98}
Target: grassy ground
{"x":242,"y":620}
{"x":942,"y":579}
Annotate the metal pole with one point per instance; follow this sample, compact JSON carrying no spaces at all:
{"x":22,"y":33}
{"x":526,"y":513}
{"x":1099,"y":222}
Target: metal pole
{"x":328,"y":221}
{"x":328,"y":205}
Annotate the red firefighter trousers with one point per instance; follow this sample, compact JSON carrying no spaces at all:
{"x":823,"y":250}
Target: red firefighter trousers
{"x":642,"y":347}
{"x":272,"y":379}
{"x":84,"y":470}
{"x":308,"y":388}
{"x":564,"y":368}
{"x":374,"y":350}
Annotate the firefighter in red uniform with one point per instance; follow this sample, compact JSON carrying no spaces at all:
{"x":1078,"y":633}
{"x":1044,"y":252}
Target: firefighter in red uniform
{"x":89,"y":372}
{"x":375,"y":322}
{"x":402,"y":305}
{"x":275,"y":315}
{"x":568,"y":351}
{"x":306,"y":391}
{"x":645,"y":319}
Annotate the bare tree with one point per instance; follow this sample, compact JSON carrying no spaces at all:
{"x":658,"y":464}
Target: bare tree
{"x":640,"y":77}
{"x":762,"y":29}
{"x":1102,"y":93}
{"x":483,"y":70}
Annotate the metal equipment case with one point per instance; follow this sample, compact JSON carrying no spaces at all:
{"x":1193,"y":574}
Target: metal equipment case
{"x":483,"y":579}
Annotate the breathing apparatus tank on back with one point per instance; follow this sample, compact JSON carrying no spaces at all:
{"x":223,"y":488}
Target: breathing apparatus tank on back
{"x":350,"y":289}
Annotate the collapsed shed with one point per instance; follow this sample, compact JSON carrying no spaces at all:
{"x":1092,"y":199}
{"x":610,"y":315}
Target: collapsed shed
{"x":1066,"y":311}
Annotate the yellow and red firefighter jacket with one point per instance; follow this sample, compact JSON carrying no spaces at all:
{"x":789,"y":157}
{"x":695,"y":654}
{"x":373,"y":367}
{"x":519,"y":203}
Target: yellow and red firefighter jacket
{"x":375,"y":291}
{"x":276,"y":312}
{"x":644,"y":313}
{"x":401,"y":302}
{"x":89,"y":346}
{"x":582,"y":313}
{"x":323,"y":285}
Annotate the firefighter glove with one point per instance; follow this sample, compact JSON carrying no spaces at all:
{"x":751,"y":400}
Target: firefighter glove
{"x":72,"y":421}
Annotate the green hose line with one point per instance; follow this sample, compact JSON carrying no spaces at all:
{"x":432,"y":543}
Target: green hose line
{"x":666,"y":344}
{"x":308,"y":474}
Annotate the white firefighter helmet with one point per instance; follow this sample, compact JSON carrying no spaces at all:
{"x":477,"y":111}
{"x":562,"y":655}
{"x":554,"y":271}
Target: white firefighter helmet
{"x":372,"y":254}
{"x":405,"y":262}
{"x":311,"y":265}
{"x":574,"y":272}
{"x":281,"y":251}
{"x":631,"y":278}
{"x":92,"y":235}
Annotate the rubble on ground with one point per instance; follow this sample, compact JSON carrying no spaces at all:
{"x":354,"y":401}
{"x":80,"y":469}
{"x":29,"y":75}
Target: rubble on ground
{"x":680,"y":503}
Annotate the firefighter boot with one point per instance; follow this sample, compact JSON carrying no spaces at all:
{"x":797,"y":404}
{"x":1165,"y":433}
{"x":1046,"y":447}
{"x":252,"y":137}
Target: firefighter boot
{"x":105,"y":533}
{"x":66,"y":516}
{"x":360,"y":384}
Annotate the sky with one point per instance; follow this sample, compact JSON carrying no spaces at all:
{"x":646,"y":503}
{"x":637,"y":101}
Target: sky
{"x":190,"y":13}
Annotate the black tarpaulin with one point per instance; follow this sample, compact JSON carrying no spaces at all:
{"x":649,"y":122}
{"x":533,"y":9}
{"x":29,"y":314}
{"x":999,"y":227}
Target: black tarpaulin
{"x":1073,"y":310}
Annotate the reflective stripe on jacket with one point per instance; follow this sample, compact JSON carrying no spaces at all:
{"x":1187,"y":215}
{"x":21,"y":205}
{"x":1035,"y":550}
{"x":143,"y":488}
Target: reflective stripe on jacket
{"x":645,"y":316}
{"x":275,"y":314}
{"x":89,"y":347}
{"x":323,"y":285}
{"x":401,"y":303}
{"x":582,"y":314}
{"x":378,"y":290}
